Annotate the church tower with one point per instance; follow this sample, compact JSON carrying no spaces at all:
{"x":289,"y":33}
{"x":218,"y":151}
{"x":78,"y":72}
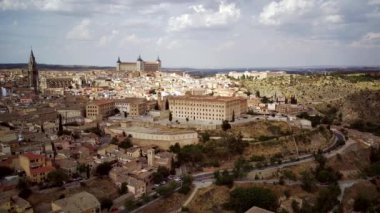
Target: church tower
{"x":140,"y":64}
{"x":118,"y":63}
{"x":33,"y":73}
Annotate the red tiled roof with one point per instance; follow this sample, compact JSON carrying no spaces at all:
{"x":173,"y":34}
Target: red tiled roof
{"x":32,"y":156}
{"x":39,"y":170}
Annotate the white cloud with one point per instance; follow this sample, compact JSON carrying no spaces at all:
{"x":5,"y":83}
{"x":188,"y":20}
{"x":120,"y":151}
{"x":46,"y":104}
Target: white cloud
{"x":275,"y":12}
{"x":334,"y":19}
{"x":205,"y":18}
{"x":369,"y":40}
{"x":106,"y":39}
{"x":53,"y":5}
{"x":47,"y":5}
{"x":13,"y":4}
{"x":373,"y":2}
{"x":372,"y":36}
{"x":133,"y":39}
{"x":80,"y":31}
{"x":226,"y":45}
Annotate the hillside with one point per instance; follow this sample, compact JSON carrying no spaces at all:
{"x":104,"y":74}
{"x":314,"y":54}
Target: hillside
{"x":314,"y":88}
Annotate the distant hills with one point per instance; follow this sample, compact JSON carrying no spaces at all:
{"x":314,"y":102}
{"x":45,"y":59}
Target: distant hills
{"x":55,"y":67}
{"x":207,"y":71}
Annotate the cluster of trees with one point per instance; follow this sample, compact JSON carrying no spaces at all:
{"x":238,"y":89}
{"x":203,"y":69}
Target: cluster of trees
{"x":103,"y":169}
{"x":168,"y":189}
{"x":323,"y":174}
{"x":187,"y":181}
{"x":57,"y":177}
{"x":242,"y":199}
{"x":126,"y":143}
{"x":327,"y":197}
{"x":96,"y":130}
{"x":241,"y":168}
{"x":325,"y":202}
{"x":160,"y":175}
{"x":210,"y":152}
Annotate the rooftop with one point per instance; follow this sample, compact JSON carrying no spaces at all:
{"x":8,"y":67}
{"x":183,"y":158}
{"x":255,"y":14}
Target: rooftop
{"x":101,"y":102}
{"x":32,"y":156}
{"x":39,"y":170}
{"x":204,"y":98}
{"x":80,"y":202}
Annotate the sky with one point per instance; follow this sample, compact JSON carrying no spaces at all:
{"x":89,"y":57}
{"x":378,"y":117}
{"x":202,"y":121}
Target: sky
{"x":192,"y":33}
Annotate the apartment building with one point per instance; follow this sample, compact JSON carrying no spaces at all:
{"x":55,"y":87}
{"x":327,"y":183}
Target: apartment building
{"x":206,"y":108}
{"x":36,"y":167}
{"x":133,"y":106}
{"x":100,"y":109}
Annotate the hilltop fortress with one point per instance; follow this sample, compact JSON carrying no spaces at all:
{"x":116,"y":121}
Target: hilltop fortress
{"x":139,"y":66}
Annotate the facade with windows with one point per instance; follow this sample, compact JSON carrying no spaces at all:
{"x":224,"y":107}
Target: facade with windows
{"x":207,"y":108}
{"x":100,"y":109}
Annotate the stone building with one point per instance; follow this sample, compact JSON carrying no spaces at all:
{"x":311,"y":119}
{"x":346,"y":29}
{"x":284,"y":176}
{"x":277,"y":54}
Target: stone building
{"x":59,"y":82}
{"x":206,"y":108}
{"x":100,"y":109}
{"x":139,"y":66}
{"x":133,"y":106}
{"x":36,"y":167}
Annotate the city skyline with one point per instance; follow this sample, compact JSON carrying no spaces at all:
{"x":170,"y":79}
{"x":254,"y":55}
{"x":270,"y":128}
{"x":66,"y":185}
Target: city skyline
{"x":198,"y":34}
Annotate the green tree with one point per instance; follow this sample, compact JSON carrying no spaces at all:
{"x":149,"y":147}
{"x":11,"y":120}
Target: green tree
{"x":226,"y":125}
{"x":114,"y":140}
{"x":176,"y":148}
{"x":168,"y":189}
{"x":123,"y":188}
{"x":233,"y":116}
{"x":258,"y":94}
{"x":205,"y":136}
{"x":223,"y":178}
{"x":170,"y":116}
{"x":24,"y":190}
{"x":161,"y":174}
{"x":103,"y":169}
{"x":327,"y":199}
{"x":242,"y":199}
{"x":57,"y":177}
{"x":308,"y":181}
{"x":126,"y":143}
{"x":60,"y":126}
{"x":187,"y":181}
{"x":241,"y":167}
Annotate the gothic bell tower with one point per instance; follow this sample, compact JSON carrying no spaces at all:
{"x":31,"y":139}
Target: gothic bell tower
{"x":33,"y":73}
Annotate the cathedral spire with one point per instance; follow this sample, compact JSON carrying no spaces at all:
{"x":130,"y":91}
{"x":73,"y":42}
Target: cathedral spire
{"x":33,"y":74}
{"x":118,"y":60}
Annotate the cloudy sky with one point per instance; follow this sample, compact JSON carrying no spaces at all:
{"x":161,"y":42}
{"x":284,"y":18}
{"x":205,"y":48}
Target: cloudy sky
{"x":192,"y":33}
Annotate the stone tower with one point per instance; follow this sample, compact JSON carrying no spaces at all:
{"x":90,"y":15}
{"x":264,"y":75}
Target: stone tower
{"x":118,"y":62}
{"x":140,"y":64}
{"x":33,"y":73}
{"x":150,"y":155}
{"x":158,"y":61}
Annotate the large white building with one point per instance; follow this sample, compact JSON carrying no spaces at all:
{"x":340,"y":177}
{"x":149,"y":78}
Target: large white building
{"x":207,"y":108}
